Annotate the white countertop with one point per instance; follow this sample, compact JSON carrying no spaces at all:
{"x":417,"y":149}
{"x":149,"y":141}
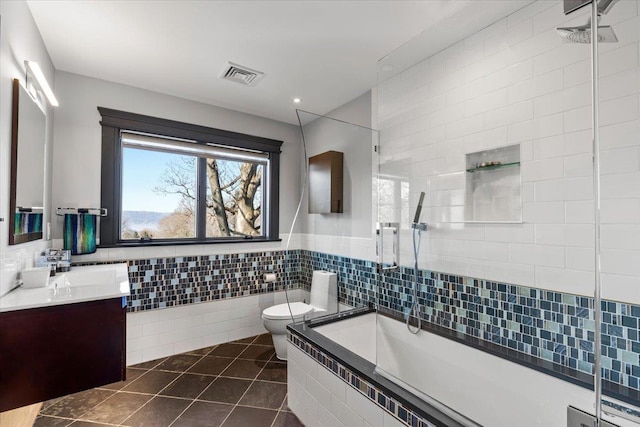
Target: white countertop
{"x":81,"y":284}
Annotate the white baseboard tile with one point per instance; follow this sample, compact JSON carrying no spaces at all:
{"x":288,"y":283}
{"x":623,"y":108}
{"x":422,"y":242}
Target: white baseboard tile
{"x":160,"y":333}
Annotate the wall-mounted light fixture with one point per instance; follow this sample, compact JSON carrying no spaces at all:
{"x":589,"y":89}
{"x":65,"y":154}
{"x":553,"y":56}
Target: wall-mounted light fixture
{"x":34,"y":69}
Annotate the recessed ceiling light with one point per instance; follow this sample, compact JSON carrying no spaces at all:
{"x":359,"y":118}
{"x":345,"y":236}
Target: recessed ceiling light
{"x":297,"y":100}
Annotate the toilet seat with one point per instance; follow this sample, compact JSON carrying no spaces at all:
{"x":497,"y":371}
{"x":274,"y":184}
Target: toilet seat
{"x":281,"y":311}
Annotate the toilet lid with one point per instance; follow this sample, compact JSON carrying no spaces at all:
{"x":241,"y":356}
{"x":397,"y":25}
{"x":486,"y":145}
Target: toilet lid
{"x":281,"y":311}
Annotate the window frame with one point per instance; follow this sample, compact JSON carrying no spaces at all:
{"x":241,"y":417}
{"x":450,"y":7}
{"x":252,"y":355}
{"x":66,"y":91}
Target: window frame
{"x":113,"y":122}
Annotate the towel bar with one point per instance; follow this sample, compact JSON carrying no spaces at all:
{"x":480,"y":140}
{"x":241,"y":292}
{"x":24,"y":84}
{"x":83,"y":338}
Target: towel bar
{"x":92,"y":211}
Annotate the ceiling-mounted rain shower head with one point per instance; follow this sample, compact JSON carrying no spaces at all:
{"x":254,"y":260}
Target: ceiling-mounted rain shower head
{"x":582,"y":34}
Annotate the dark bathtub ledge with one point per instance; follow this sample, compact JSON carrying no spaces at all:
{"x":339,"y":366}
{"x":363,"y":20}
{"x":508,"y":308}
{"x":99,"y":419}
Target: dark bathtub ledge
{"x":331,"y":318}
{"x":366,"y":369}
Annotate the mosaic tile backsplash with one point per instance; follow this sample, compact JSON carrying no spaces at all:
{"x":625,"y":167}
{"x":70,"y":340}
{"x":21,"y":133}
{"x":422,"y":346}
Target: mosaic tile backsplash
{"x":549,"y":325}
{"x":168,"y":282}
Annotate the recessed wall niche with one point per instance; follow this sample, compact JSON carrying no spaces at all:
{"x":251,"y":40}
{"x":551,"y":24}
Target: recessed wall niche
{"x":493,"y":185}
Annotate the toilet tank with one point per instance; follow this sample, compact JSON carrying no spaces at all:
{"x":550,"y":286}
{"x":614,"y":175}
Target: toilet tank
{"x":324,"y":292}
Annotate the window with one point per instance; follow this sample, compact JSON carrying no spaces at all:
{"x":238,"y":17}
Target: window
{"x":166,"y":182}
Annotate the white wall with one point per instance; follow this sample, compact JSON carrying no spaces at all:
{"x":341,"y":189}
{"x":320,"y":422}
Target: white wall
{"x":518,"y":82}
{"x":20,"y":40}
{"x":76,"y":175}
{"x":357,"y":111}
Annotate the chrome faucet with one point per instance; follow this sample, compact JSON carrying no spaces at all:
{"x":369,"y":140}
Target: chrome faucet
{"x":58,"y":260}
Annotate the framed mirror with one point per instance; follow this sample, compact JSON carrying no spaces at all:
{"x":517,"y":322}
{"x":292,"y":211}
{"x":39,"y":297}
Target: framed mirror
{"x":26,"y":195}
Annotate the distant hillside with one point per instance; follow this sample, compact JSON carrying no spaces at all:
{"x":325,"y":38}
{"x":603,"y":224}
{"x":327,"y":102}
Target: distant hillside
{"x":138,"y":220}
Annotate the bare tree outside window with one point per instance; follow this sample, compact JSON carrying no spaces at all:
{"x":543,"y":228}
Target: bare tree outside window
{"x":234,"y":198}
{"x":235,"y":194}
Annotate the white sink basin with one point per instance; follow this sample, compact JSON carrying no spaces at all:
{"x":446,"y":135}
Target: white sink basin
{"x":85,"y":276}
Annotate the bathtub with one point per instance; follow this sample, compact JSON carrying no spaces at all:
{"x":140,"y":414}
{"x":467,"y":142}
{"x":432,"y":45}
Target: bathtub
{"x":388,"y":377}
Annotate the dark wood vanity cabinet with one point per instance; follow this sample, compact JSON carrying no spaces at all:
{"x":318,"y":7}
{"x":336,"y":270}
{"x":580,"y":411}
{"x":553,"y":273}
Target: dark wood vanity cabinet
{"x":325,"y":183}
{"x":53,"y":351}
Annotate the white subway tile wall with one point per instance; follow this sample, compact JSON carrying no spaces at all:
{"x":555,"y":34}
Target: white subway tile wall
{"x":14,"y":259}
{"x":517,"y":81}
{"x":159,"y":333}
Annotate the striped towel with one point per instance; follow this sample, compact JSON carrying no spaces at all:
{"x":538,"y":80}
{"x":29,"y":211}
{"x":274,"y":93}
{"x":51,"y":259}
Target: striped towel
{"x":80,"y":233}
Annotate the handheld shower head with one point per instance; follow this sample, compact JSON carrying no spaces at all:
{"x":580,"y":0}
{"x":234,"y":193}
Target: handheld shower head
{"x":416,"y":218}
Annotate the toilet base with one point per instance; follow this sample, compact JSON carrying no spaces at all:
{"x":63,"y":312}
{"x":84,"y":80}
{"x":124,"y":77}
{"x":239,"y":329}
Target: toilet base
{"x":280,"y":343}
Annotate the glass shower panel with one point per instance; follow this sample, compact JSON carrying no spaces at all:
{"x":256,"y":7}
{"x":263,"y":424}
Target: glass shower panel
{"x":337,"y":211}
{"x":493,"y":125}
{"x":619,"y":211}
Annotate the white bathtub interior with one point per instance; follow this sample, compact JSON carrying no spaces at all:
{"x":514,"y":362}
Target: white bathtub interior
{"x":357,"y":334}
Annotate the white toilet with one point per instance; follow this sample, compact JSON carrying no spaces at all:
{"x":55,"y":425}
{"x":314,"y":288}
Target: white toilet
{"x":324,"y":300}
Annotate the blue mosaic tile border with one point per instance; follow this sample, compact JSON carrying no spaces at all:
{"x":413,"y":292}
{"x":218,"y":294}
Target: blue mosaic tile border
{"x":168,"y":282}
{"x":402,"y":413}
{"x":550,"y":325}
{"x":621,"y":344}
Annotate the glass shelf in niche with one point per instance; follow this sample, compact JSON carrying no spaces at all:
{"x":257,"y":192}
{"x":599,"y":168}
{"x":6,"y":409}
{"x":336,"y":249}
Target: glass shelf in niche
{"x":493,"y":186}
{"x":492,"y":166}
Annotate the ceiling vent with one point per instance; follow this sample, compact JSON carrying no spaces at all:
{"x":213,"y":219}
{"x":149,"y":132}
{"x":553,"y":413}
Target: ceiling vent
{"x":241,"y":74}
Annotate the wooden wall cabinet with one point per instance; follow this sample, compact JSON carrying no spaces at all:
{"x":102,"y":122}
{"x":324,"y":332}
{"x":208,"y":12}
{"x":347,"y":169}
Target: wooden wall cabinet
{"x":53,"y":351}
{"x":325,"y":183}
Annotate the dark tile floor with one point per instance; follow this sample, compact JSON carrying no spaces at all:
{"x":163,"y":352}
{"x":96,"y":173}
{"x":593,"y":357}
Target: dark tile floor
{"x":241,"y":383}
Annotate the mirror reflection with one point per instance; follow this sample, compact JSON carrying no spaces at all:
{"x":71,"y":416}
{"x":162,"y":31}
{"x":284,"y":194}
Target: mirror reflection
{"x":27,"y":167}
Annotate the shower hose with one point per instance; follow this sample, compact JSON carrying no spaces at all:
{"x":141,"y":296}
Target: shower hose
{"x":415,"y":307}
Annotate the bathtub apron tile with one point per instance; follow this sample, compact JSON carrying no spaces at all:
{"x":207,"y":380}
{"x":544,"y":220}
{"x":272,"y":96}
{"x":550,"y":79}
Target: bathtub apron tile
{"x":364,"y":401}
{"x":343,"y":412}
{"x":390,"y":421}
{"x":364,"y":408}
{"x":331,"y":382}
{"x":328,"y":419}
{"x":321,"y":394}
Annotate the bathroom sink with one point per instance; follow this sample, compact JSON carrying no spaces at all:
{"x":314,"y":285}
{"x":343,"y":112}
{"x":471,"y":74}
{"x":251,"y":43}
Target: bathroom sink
{"x":81,"y":284}
{"x":85,"y":276}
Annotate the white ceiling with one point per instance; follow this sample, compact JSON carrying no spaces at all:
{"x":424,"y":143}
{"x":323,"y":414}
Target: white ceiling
{"x":324,"y":52}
